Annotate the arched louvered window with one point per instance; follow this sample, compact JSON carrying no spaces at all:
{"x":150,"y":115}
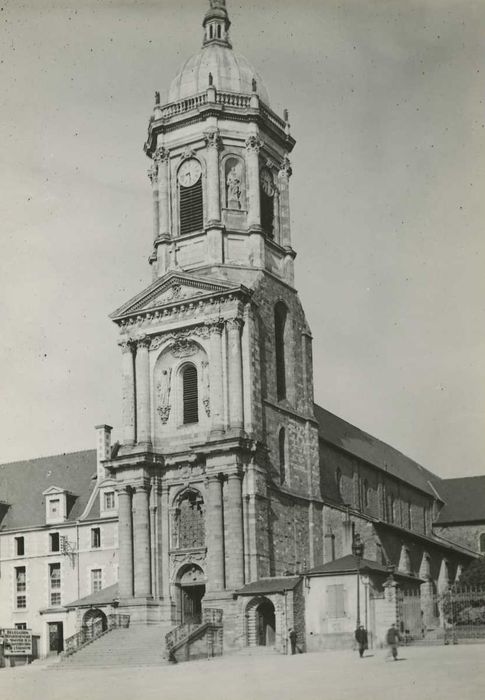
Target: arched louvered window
{"x":338,"y":481}
{"x":282,"y":454}
{"x":267,"y":191}
{"x":482,"y":543}
{"x":191,"y":208}
{"x":280,"y":326}
{"x":190,"y":395}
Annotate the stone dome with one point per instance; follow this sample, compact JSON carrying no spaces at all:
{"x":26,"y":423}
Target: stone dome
{"x":230,"y":71}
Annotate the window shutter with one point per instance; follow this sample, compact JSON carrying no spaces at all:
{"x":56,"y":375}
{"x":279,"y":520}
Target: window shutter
{"x":190,"y":391}
{"x":191,"y":208}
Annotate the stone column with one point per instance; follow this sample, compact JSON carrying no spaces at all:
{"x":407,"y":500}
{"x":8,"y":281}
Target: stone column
{"x":253,"y":145}
{"x":141,"y":541}
{"x":213,"y":144}
{"x":153,"y":175}
{"x":234,"y":530}
{"x":283,"y":180}
{"x":215,"y":534}
{"x":165,"y":520}
{"x":236,"y":406}
{"x":216,"y":379}
{"x":161,"y":158}
{"x":125,"y":543}
{"x":128,"y":391}
{"x":143,"y":422}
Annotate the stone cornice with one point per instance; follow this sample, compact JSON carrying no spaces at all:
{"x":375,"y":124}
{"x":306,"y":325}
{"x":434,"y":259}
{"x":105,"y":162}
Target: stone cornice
{"x":197,"y":110}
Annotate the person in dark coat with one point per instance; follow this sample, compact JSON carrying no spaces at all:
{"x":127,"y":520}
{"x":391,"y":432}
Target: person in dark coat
{"x":292,"y":637}
{"x":361,"y":639}
{"x":392,"y":638}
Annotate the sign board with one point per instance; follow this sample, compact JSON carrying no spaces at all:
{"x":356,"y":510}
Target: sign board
{"x":16,"y":642}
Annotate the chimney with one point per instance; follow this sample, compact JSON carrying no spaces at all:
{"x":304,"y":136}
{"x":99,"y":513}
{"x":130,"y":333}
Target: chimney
{"x":103,"y":449}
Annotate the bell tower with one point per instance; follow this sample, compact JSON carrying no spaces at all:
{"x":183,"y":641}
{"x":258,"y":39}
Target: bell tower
{"x":220,"y":445}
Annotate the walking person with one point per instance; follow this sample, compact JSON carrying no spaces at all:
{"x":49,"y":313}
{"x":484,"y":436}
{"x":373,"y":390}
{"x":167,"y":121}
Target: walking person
{"x":361,"y":639}
{"x":393,"y":638}
{"x":292,"y":638}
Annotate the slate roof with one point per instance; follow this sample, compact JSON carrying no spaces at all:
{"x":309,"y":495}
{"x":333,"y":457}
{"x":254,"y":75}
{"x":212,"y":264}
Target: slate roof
{"x":464,"y":500}
{"x":22,"y":484}
{"x":349,"y":565}
{"x":103,"y":597}
{"x":270,"y":585}
{"x":356,"y":442}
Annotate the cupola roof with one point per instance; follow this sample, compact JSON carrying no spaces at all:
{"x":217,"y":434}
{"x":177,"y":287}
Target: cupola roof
{"x":216,"y":63}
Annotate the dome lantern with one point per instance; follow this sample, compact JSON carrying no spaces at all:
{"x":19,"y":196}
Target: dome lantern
{"x":216,"y":24}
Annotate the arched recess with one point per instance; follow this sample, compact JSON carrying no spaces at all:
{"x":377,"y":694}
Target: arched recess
{"x":260,"y":622}
{"x":94,"y":617}
{"x":180,"y":399}
{"x":188,"y":520}
{"x":481,"y":543}
{"x":268,"y":201}
{"x":190,"y":584}
{"x":280,"y":341}
{"x":190,"y":198}
{"x":282,"y":455}
{"x":234,"y":183}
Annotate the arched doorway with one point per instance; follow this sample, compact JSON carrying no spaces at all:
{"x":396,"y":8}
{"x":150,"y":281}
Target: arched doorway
{"x":95,"y":620}
{"x":266,"y":624}
{"x":191,"y":584}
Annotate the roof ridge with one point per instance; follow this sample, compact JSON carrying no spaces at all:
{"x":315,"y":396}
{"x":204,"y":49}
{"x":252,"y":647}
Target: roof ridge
{"x":37,"y":459}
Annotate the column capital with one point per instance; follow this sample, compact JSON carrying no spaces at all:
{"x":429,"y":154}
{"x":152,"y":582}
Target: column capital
{"x":123,"y":490}
{"x":213,"y":139}
{"x":285,"y":168}
{"x":254,"y":143}
{"x":141,"y":485}
{"x":152,"y":173}
{"x":216,"y":327}
{"x":234,"y":324}
{"x":234,"y":475}
{"x":143,"y":342}
{"x":161,"y":155}
{"x":126,"y":345}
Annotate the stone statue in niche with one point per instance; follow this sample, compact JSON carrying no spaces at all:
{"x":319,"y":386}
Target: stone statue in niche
{"x":234,"y":190}
{"x":205,"y":388}
{"x":163,"y":388}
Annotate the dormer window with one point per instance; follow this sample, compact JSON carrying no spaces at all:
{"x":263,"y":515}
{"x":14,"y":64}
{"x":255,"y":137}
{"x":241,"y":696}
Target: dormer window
{"x":108,"y":504}
{"x":55,"y":505}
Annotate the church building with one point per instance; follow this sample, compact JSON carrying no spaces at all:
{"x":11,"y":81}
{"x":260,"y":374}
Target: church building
{"x":234,"y":490}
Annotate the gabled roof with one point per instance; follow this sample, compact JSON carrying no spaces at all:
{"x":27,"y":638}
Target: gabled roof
{"x":356,"y":442}
{"x":105,"y":596}
{"x":23,"y":483}
{"x":464,"y":500}
{"x":277,"y":584}
{"x":175,"y":288}
{"x":350,"y":565}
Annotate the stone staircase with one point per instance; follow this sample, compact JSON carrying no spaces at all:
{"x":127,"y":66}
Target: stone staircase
{"x":138,"y":645}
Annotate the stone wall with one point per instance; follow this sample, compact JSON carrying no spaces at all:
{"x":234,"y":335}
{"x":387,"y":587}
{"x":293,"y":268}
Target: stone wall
{"x":465,"y":535}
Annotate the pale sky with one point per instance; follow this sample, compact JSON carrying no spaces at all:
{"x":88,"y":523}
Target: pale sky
{"x":386,"y":105}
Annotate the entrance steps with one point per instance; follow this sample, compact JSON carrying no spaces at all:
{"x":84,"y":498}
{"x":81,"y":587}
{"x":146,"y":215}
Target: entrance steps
{"x":253,"y":651}
{"x":139,"y":645}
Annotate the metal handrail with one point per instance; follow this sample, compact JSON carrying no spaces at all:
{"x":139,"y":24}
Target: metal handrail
{"x":98,"y":628}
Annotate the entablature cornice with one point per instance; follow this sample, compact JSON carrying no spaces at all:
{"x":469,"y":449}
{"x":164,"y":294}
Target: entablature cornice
{"x":185,"y":114}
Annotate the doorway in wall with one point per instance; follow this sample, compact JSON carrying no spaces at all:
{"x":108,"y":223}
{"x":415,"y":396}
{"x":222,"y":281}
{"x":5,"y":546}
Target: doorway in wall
{"x":56,"y":637}
{"x":191,"y":584}
{"x":266,"y":624}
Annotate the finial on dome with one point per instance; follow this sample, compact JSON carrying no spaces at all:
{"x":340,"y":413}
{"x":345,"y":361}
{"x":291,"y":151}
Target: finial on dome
{"x":216,"y":24}
{"x":254,"y":85}
{"x":211,"y":80}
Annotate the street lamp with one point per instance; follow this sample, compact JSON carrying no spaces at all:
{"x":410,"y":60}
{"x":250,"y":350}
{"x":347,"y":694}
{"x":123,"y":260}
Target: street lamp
{"x":358,"y":551}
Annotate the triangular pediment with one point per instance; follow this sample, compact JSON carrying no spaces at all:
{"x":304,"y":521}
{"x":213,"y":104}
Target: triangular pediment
{"x":54,"y":491}
{"x":171,"y":289}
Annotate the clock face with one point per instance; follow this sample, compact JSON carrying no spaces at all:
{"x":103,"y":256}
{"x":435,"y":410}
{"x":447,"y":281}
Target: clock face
{"x":189,"y":172}
{"x":267,"y":183}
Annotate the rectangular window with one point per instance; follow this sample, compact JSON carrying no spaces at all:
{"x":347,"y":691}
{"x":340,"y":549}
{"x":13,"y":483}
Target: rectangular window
{"x":96,"y":580}
{"x":20,"y":625}
{"x":336,"y":601}
{"x":55,"y":584}
{"x":20,"y":587}
{"x":54,"y":542}
{"x":109,"y":500}
{"x":19,"y":546}
{"x":95,"y":537}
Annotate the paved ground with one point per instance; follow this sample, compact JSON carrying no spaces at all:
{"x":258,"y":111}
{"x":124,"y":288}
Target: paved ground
{"x":432,"y":673}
